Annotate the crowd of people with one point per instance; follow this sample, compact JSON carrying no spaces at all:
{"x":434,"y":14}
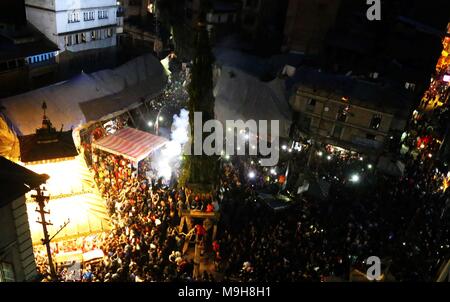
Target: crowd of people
{"x":145,"y":243}
{"x":404,"y":220}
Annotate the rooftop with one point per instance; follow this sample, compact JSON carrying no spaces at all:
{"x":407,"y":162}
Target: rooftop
{"x":362,"y":92}
{"x":16,"y":180}
{"x":26,"y":42}
{"x":33,"y":150}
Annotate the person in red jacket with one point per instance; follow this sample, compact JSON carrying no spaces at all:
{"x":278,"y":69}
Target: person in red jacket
{"x":200,"y":231}
{"x":209,"y":208}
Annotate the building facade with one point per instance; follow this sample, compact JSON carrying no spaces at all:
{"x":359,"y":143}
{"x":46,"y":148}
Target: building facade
{"x":75,"y":25}
{"x":139,"y":27}
{"x":356,"y":115}
{"x":17,"y":262}
{"x":27,"y":58}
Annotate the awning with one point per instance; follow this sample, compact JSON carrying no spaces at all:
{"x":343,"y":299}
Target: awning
{"x":93,"y":255}
{"x":130,"y":143}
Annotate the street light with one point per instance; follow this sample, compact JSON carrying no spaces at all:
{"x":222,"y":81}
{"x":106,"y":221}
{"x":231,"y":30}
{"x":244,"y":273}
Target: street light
{"x":150,"y":124}
{"x":251,"y":174}
{"x":159,"y":118}
{"x":354,"y":178}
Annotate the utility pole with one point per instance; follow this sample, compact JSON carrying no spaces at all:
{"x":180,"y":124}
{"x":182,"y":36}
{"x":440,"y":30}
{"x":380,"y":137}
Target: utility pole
{"x":197,"y":251}
{"x":41,"y":199}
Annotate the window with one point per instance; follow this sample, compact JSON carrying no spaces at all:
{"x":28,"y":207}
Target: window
{"x":342,"y":114}
{"x":312,"y":102}
{"x":310,"y":105}
{"x":375,"y":123}
{"x":109,"y":32}
{"x":88,"y":16}
{"x":337,"y":131}
{"x":83,"y":38}
{"x":410,"y":86}
{"x":68,"y":40}
{"x":103,"y":14}
{"x":74,"y":17}
{"x":6,"y":272}
{"x":370,"y":136}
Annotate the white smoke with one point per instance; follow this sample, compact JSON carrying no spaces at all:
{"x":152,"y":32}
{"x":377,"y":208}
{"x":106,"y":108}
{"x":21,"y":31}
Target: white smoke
{"x":170,"y":156}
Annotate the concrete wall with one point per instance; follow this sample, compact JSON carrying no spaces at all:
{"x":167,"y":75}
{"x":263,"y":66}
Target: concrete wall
{"x":48,"y":4}
{"x":52,"y":20}
{"x":44,"y":21}
{"x":15,"y":240}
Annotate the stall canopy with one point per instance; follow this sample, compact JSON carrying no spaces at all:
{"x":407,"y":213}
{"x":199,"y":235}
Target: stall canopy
{"x":239,"y":95}
{"x":130,"y":143}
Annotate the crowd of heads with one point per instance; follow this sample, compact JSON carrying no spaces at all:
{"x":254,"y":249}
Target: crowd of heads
{"x":403,"y":220}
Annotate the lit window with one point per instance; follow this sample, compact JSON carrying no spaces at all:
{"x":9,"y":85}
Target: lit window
{"x":410,"y":86}
{"x":343,"y":113}
{"x":375,"y":123}
{"x":74,"y":17}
